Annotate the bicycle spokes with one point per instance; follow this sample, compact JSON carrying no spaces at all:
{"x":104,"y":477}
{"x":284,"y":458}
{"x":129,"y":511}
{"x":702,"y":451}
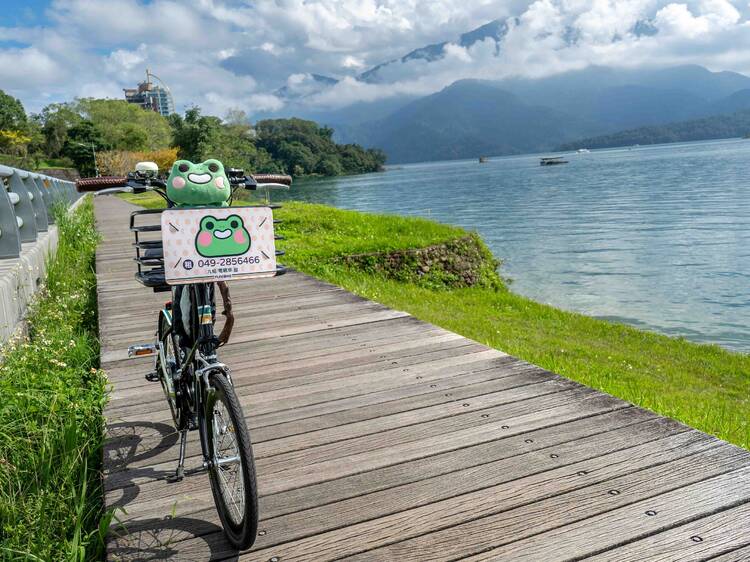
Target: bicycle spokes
{"x":227,"y":463}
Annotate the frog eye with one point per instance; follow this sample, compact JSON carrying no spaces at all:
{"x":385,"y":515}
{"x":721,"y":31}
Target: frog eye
{"x":183,"y":168}
{"x":209,"y":225}
{"x":234,"y":224}
{"x":214,"y":167}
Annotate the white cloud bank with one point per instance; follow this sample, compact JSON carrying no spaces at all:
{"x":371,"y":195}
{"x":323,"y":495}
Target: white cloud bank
{"x":224,"y":54}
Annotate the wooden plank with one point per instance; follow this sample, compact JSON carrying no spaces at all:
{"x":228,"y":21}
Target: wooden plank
{"x":610,"y":448}
{"x":413,"y":424}
{"x":566,"y":437}
{"x":118,"y":351}
{"x":294,"y":371}
{"x":283,"y":320}
{"x":475,"y":522}
{"x":321,"y":342}
{"x":304,"y":475}
{"x":739,"y":555}
{"x":302,"y":395}
{"x":299,"y":381}
{"x":119,"y":330}
{"x":607,"y":530}
{"x":124,"y":445}
{"x":571,"y":441}
{"x":724,"y":534}
{"x":128,"y":376}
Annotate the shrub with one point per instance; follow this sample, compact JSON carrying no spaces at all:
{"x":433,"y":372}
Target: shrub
{"x":461,"y":262}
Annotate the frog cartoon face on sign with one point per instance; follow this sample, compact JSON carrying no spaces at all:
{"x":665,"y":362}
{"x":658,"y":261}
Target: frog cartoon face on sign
{"x":195,"y":185}
{"x":222,"y":237}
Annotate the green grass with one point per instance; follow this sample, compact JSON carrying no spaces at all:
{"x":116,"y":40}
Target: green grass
{"x":703,"y":386}
{"x":51,"y":424}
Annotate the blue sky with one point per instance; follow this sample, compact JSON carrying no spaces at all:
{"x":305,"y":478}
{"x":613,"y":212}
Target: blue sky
{"x":236,"y":54}
{"x":31,"y":12}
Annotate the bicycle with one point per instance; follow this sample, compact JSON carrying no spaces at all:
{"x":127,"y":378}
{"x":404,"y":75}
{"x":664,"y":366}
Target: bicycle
{"x":197,"y":386}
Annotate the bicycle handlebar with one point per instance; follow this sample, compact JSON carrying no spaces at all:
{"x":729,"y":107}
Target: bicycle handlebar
{"x":260,"y":179}
{"x":84,"y":185}
{"x":100,"y":183}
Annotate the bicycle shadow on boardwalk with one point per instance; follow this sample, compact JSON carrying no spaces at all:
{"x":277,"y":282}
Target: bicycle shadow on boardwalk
{"x":179,"y":538}
{"x":127,"y":443}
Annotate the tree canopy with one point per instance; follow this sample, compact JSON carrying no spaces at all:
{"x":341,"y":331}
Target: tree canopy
{"x":12,"y":113}
{"x":713,"y":127}
{"x":303,"y":147}
{"x":125,"y":125}
{"x":77,"y":130}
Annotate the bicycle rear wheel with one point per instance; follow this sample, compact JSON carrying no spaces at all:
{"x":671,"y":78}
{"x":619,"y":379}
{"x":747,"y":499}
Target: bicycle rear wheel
{"x":232,"y":472}
{"x":167,"y":362}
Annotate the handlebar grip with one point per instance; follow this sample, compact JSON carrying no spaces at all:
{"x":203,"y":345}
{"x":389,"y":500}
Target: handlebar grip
{"x":103,"y":182}
{"x":272,"y":178}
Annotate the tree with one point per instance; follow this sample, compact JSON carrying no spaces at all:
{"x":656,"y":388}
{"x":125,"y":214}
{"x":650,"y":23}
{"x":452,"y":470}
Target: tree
{"x":12,"y":114}
{"x":55,"y":120}
{"x":297,"y":158}
{"x":126,"y":126}
{"x":329,"y":165}
{"x":304,"y":147}
{"x":83,"y":139}
{"x":195,"y":134}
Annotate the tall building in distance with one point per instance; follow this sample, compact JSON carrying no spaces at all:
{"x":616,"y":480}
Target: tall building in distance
{"x":151,"y":96}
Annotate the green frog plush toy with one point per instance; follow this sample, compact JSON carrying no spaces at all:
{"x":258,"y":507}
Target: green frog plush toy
{"x":198,"y":185}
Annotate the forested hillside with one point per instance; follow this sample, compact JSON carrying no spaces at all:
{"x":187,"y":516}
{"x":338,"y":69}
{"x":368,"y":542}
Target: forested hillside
{"x":109,"y":136}
{"x":715,"y":127}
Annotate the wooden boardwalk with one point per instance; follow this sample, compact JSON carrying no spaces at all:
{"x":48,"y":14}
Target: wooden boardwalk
{"x":381,"y":437}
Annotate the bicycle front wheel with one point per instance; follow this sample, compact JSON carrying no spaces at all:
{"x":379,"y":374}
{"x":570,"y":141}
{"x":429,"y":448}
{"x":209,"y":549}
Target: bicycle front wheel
{"x":232,"y":472}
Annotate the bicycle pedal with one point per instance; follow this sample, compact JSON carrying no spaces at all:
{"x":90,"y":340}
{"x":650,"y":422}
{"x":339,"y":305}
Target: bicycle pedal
{"x":141,"y":350}
{"x":192,"y":423}
{"x":152,"y":376}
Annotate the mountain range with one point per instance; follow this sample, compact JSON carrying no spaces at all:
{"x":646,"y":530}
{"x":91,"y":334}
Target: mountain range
{"x":470,"y":118}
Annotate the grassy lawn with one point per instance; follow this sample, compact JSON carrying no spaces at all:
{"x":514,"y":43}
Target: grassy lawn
{"x":51,"y":423}
{"x":701,"y":385}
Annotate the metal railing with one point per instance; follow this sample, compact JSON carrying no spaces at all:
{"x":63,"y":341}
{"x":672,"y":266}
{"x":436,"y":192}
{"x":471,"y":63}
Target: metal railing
{"x":26,"y":203}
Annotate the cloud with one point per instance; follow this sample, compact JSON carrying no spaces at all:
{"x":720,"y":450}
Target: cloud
{"x":225,"y":54}
{"x":713,"y":16}
{"x":555,"y":36}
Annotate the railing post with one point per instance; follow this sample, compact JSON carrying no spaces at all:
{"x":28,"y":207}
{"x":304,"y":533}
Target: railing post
{"x":10,"y":240}
{"x":37,"y":203}
{"x":62,"y":189}
{"x":43,"y":186}
{"x":55,"y":193}
{"x":24,"y":209}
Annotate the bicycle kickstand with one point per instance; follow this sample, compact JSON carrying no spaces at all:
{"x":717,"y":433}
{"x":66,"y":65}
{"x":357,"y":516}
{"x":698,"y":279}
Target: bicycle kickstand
{"x":180,"y":472}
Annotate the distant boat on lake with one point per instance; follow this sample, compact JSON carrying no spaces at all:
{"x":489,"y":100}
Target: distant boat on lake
{"x":482,"y":159}
{"x":583,"y":151}
{"x":552,"y":161}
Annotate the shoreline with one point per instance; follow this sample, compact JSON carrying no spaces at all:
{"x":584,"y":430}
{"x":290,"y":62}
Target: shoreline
{"x":702,"y":385}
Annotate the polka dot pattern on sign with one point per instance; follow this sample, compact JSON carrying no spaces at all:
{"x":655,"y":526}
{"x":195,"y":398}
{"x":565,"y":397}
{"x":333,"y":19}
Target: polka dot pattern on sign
{"x":183,"y":263}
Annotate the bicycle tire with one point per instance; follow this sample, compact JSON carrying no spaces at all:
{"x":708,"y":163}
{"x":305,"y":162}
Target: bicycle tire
{"x":241,"y":531}
{"x":166,"y":338}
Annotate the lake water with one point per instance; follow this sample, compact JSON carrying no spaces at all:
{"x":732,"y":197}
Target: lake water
{"x":657,"y":237}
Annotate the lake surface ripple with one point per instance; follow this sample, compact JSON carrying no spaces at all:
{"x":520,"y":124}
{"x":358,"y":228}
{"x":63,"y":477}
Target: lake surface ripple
{"x":657,"y":237}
